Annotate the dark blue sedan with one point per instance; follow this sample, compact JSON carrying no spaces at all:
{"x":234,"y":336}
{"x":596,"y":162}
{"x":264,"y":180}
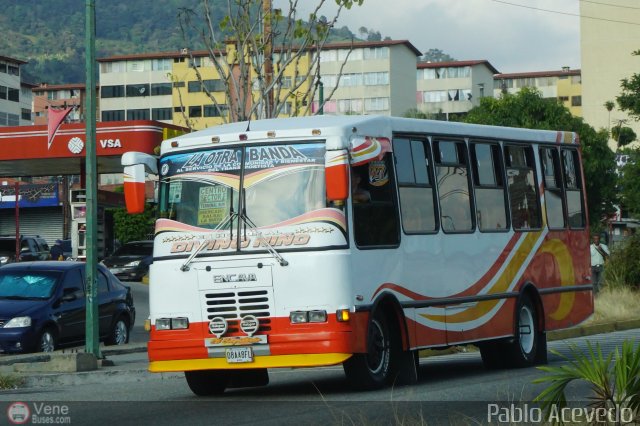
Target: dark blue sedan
{"x":42,"y":306}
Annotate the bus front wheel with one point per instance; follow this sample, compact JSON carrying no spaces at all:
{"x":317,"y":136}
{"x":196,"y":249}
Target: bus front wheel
{"x":373,"y":369}
{"x":207,"y":382}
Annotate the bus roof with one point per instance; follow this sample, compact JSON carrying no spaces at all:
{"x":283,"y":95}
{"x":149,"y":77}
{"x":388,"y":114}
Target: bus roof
{"x":363,"y":125}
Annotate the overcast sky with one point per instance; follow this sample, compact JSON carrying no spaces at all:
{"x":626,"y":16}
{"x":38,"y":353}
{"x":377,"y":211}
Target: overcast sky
{"x":512,"y":38}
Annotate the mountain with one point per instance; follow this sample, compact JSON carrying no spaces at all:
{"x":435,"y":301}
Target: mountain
{"x":51,"y":35}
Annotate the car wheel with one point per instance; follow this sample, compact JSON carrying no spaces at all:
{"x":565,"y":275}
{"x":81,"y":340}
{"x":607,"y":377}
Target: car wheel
{"x":47,"y":341}
{"x":119,"y":334}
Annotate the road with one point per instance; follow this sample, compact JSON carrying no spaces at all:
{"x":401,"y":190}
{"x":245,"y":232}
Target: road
{"x":452,"y":389}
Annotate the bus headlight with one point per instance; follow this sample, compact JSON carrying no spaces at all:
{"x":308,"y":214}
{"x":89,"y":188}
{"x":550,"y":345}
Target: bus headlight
{"x":298,"y":317}
{"x":163,"y":324}
{"x":178,"y":323}
{"x":317,"y":316}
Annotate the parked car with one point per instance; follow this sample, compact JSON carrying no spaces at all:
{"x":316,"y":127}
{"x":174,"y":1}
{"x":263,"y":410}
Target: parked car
{"x":42,"y":306}
{"x":131,"y":261}
{"x":31,"y":248}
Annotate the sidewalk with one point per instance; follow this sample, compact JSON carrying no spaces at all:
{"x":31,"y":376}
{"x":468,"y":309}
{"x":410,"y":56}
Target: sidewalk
{"x":129,"y":363}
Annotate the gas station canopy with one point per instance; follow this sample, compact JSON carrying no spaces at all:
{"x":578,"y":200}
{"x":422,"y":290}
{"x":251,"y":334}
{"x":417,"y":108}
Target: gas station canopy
{"x":25,"y":151}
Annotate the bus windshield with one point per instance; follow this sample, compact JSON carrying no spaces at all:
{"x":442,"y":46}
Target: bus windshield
{"x":277,"y":187}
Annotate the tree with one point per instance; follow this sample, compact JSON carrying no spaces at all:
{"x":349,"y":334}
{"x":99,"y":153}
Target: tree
{"x":609,"y":105}
{"x":132,"y":227}
{"x":241,"y":47}
{"x":623,"y":135}
{"x":529,"y":109}
{"x":630,"y":184}
{"x":629,"y":99}
{"x":436,"y":55}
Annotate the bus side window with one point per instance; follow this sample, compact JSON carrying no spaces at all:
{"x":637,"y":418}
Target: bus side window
{"x":376,"y":222}
{"x":573,"y":188}
{"x":415,"y":177}
{"x":453,"y":186}
{"x":523,"y":193}
{"x":490,"y":195}
{"x":553,"y":196}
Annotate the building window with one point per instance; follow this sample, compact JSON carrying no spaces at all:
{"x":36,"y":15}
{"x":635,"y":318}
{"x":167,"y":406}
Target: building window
{"x":214,"y":85}
{"x":13,"y":70}
{"x":195,"y":111}
{"x":26,"y":114}
{"x":51,"y":95}
{"x":376,"y":53}
{"x":112,"y":91}
{"x":178,"y":84}
{"x":213,"y":111}
{"x":137,"y":114}
{"x":161,"y":114}
{"x":433,"y":96}
{"x":576,"y":101}
{"x":158,"y":89}
{"x":115,"y":115}
{"x":161,"y":65}
{"x":376,"y":78}
{"x":376,"y":104}
{"x":3,"y":68}
{"x":13,"y":95}
{"x":563,"y":98}
{"x":3,"y":92}
{"x":195,"y":86}
{"x":135,"y":90}
{"x":112,"y":67}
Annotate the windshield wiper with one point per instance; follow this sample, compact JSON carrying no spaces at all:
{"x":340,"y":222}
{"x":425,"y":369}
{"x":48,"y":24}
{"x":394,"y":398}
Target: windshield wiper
{"x":230,"y":217}
{"x":254,"y":228}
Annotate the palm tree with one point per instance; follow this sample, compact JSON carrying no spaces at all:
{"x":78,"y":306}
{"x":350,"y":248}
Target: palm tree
{"x":609,"y":105}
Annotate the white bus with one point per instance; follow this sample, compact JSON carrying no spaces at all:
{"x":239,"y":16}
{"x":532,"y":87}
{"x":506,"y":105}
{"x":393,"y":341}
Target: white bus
{"x":359,"y":240}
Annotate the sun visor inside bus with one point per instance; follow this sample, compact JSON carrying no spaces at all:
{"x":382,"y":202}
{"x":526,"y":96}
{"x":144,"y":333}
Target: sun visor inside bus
{"x":367,"y":149}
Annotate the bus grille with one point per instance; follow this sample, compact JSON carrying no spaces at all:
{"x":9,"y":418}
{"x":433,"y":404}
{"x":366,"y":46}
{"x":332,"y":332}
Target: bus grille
{"x":233,"y":305}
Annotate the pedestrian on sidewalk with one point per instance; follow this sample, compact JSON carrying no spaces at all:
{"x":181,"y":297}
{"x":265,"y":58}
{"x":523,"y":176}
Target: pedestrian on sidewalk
{"x":599,"y":255}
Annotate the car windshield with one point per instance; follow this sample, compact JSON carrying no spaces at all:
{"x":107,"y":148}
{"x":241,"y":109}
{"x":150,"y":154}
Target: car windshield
{"x":7,"y":245}
{"x":135,"y":249}
{"x":28,"y":284}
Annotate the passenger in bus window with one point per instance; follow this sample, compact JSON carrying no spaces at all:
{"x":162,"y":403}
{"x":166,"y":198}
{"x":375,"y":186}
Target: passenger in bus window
{"x":358,"y":193}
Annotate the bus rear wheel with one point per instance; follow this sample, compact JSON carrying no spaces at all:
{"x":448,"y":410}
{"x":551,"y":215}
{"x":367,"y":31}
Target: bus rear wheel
{"x":524,"y":347}
{"x":373,"y":369}
{"x":207,"y":382}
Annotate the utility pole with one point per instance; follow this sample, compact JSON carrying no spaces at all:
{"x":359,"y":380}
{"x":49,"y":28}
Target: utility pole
{"x":92,"y":342}
{"x":268,"y":54}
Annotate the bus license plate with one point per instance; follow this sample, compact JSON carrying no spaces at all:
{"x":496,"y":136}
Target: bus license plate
{"x":237,"y":355}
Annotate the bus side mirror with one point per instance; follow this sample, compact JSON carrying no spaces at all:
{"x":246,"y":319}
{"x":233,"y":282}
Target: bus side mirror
{"x":134,"y":188}
{"x":135,"y":165}
{"x":337,"y":175}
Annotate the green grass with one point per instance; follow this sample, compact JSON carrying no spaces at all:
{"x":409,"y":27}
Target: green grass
{"x":8,"y":381}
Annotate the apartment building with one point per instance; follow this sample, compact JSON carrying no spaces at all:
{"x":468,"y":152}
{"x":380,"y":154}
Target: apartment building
{"x":609,"y":33}
{"x":452,"y":88}
{"x":15,"y":95}
{"x":137,"y":87}
{"x":564,"y":85}
{"x":377,"y":78}
{"x":47,"y":96}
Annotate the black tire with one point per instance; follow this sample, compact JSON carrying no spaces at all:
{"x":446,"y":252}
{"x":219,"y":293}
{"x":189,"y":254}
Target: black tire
{"x":119,"y":333}
{"x":207,"y":382}
{"x":47,"y":341}
{"x":374,"y":369}
{"x":494,"y":354}
{"x":524,"y":347}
